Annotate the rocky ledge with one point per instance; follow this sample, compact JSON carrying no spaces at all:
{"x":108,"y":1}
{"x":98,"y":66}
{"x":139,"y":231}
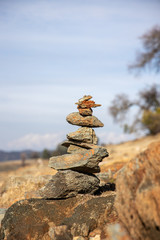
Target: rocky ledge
{"x":58,"y":219}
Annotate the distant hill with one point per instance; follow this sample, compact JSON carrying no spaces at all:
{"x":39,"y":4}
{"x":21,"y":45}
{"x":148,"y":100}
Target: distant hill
{"x":14,"y":155}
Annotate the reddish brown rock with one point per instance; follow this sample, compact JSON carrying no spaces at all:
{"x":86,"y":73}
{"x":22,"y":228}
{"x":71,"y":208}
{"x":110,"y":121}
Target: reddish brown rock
{"x":86,"y":162}
{"x":138,"y":195}
{"x":84,"y":98}
{"x":83,"y":134}
{"x":88,"y":121}
{"x":88,"y":104}
{"x":40,"y":219}
{"x":85,"y":111}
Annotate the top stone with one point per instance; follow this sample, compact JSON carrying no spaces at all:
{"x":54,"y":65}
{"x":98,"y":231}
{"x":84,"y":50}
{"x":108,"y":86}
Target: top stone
{"x":86,"y":103}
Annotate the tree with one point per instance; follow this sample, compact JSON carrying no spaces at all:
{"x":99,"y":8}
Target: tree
{"x":46,"y":154}
{"x":148,"y":102}
{"x":150,"y":56}
{"x":60,"y":150}
{"x":23,"y":159}
{"x":148,"y":111}
{"x":34,"y":155}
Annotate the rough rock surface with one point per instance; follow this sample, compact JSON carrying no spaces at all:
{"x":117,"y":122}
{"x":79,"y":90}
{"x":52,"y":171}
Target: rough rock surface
{"x":87,"y":104}
{"x":89,"y":121}
{"x":83,"y":134}
{"x":39,"y":219}
{"x":65,"y":184}
{"x":85,"y":111}
{"x":79,"y":144}
{"x":138,"y":195}
{"x":86,"y":162}
{"x":84,"y":98}
{"x":75,"y":149}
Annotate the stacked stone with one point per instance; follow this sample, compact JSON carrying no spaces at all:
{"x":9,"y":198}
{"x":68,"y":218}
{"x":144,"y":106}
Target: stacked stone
{"x":76,"y":169}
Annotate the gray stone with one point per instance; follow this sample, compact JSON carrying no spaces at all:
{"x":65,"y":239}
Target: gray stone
{"x":65,"y":184}
{"x":83,"y":162}
{"x":79,"y":144}
{"x":75,"y":149}
{"x":83,"y":134}
{"x":89,"y":121}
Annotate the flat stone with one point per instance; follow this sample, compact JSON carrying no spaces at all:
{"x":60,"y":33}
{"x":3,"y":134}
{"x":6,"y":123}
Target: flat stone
{"x":84,"y":98}
{"x":89,"y":121}
{"x":88,"y":104}
{"x":79,"y":144}
{"x":68,"y":183}
{"x":75,"y":149}
{"x":85,"y":111}
{"x":86,"y":162}
{"x":83,"y":134}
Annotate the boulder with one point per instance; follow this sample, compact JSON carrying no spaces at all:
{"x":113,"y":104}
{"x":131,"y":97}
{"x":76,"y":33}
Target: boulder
{"x":65,"y":184}
{"x":83,"y":134}
{"x":89,"y":121}
{"x":86,"y":162}
{"x":138,"y":194}
{"x":45,"y":219}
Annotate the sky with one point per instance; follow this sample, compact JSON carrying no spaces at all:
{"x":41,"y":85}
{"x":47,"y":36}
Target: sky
{"x":54,"y":52}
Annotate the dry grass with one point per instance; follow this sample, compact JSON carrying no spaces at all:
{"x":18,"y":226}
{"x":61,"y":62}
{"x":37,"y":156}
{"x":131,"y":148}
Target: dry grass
{"x":124,"y":152}
{"x":17,"y":182}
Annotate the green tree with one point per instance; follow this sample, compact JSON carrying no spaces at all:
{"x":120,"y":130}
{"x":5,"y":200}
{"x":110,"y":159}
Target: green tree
{"x":46,"y":154}
{"x":148,"y":111}
{"x":148,"y":102}
{"x":60,"y":150}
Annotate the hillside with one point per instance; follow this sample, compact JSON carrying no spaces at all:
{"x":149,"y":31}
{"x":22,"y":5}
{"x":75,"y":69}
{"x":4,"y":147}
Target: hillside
{"x":14,"y":155}
{"x":17,"y":182}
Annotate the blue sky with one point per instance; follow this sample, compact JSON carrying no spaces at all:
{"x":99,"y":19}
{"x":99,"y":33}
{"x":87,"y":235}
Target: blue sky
{"x":54,"y":52}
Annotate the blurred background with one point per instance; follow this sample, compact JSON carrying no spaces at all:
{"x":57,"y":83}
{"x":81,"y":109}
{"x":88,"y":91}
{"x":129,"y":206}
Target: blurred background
{"x":54,"y":52}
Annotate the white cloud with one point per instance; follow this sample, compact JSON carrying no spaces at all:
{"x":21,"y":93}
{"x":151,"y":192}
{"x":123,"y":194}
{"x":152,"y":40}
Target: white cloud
{"x":36,"y":141}
{"x":114,"y":137}
{"x":50,"y":141}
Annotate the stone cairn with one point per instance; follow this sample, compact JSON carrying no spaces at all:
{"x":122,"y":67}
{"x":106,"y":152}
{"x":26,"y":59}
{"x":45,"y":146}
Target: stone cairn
{"x":76,"y":169}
